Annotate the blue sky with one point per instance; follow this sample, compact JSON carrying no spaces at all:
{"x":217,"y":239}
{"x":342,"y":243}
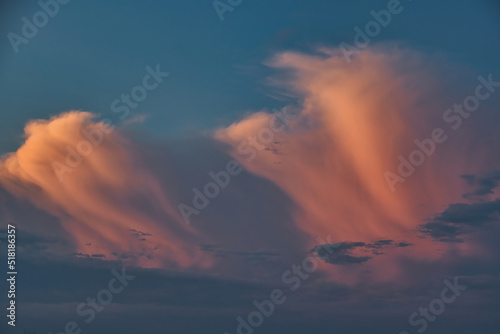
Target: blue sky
{"x":91,"y":52}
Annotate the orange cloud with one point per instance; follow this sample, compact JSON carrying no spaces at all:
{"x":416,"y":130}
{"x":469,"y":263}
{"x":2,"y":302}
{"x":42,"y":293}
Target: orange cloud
{"x":356,"y":119}
{"x":105,"y":197}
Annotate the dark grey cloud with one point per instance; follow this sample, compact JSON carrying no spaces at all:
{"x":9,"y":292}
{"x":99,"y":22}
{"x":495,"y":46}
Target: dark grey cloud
{"x":140,"y":233}
{"x":342,"y":253}
{"x":461,"y":218}
{"x":484,"y":185}
{"x":83,"y":255}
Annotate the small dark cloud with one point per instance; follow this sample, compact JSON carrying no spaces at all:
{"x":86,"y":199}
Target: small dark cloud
{"x":140,"y":233}
{"x":272,"y":150}
{"x":403,"y":244}
{"x":484,"y":185}
{"x":141,"y":236}
{"x":89,"y":256}
{"x":342,"y":253}
{"x":461,"y":218}
{"x":339,"y":253}
{"x":346,"y":259}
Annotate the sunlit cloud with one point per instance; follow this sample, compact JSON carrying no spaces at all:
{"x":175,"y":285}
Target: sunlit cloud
{"x":103,"y":194}
{"x":356,"y":119}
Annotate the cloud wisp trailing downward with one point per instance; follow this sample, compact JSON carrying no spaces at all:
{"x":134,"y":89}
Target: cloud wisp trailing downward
{"x":355,"y":120}
{"x":105,"y":199}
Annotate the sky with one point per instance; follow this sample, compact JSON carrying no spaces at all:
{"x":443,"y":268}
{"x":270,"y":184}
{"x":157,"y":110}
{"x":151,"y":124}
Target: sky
{"x":247,"y":167}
